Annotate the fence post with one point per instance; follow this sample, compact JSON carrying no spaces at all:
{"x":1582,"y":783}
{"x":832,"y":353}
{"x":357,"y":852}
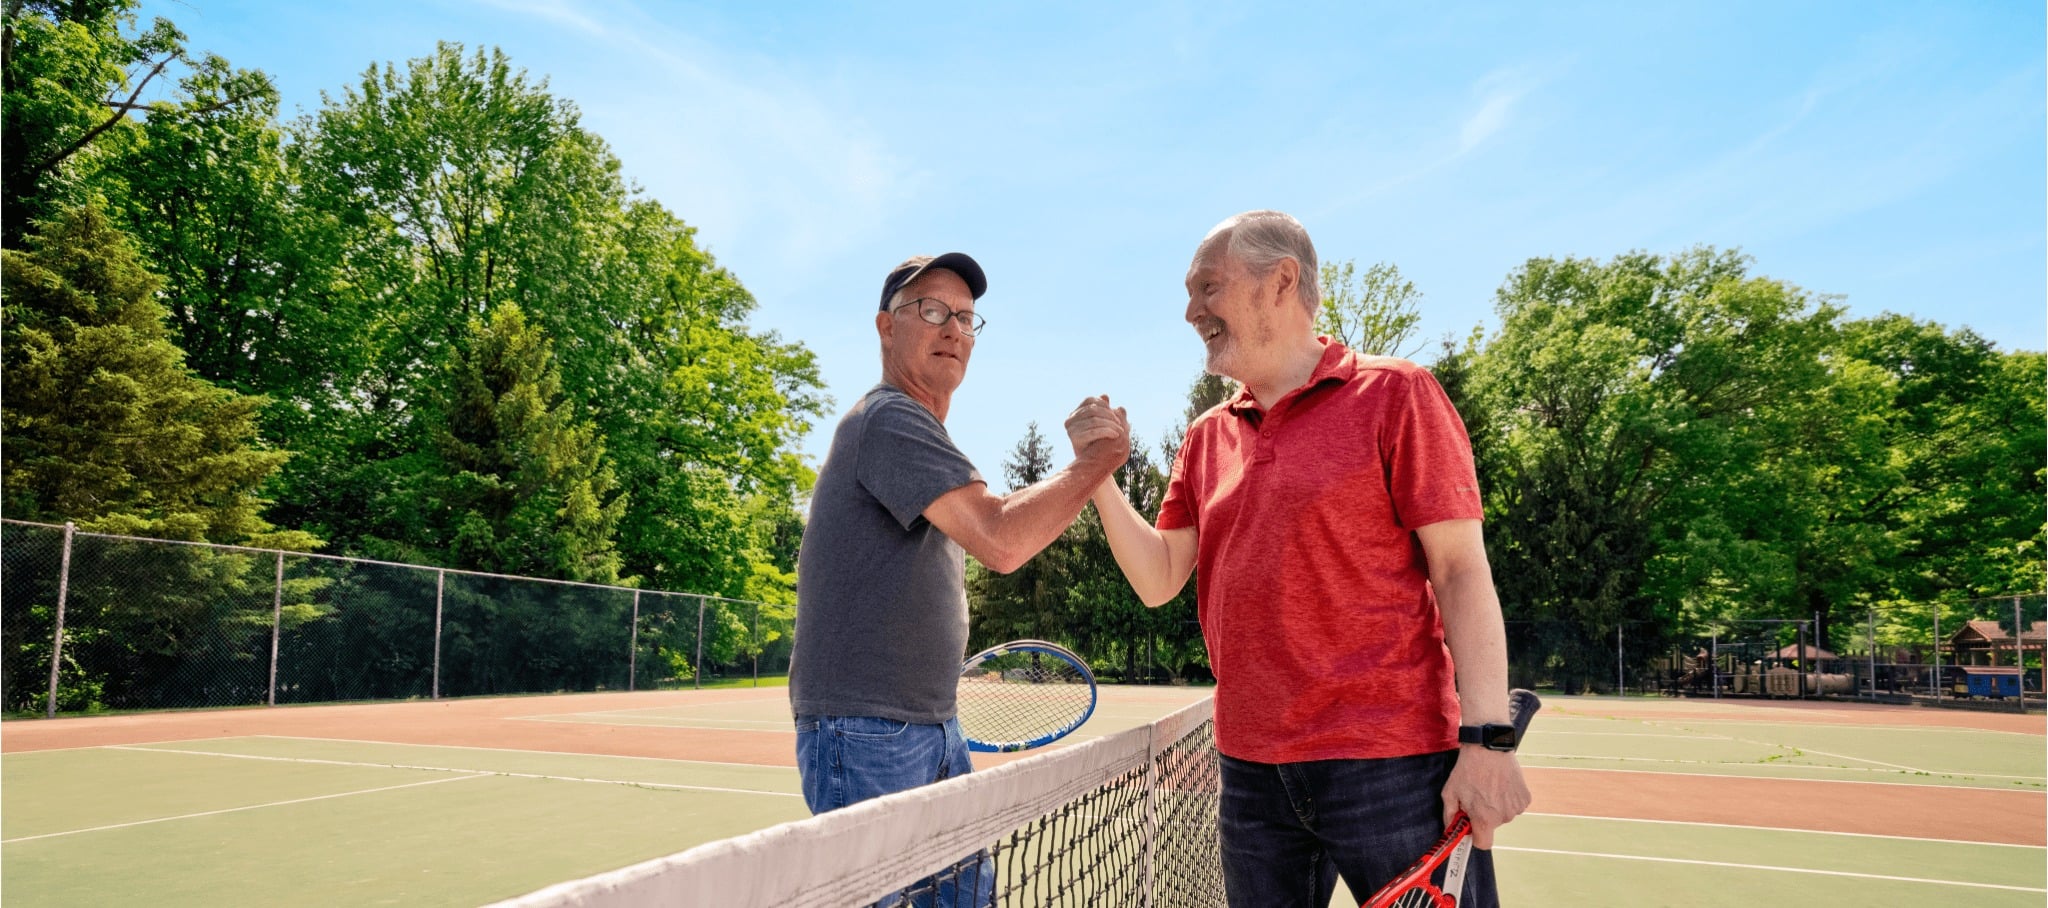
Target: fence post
{"x":1714,"y":663}
{"x":1805,"y":662}
{"x":754,"y":644}
{"x":1871,"y":639}
{"x":1936,"y":683}
{"x":1620,"y":685}
{"x":276,"y":621}
{"x":633,"y":646}
{"x":440,"y":584}
{"x":2019,"y":655}
{"x":700,"y":642}
{"x":57,"y":634}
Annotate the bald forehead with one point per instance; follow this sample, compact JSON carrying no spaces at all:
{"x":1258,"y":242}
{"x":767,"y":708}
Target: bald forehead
{"x":1213,"y":252}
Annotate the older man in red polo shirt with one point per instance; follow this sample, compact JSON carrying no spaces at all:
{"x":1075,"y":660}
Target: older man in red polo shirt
{"x":1344,"y":592}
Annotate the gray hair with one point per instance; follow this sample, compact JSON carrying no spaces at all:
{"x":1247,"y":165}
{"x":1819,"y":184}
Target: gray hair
{"x":1260,"y":239}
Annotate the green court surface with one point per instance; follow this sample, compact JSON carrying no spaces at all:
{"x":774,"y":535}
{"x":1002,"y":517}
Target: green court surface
{"x":1549,"y":860}
{"x":307,"y":820}
{"x":1780,"y":750}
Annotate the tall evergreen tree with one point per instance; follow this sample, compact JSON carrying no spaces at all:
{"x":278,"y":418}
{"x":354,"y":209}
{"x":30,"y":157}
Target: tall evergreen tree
{"x":1028,"y":601}
{"x":516,"y":482}
{"x":105,"y":426}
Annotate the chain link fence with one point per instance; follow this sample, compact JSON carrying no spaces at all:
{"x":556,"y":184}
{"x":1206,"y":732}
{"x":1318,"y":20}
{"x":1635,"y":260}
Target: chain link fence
{"x":1984,"y":653}
{"x":92,"y":622}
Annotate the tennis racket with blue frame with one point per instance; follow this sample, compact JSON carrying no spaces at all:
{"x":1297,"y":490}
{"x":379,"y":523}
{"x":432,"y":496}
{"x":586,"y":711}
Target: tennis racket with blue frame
{"x":1023,"y":694}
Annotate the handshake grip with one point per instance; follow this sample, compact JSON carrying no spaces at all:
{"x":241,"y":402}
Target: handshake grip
{"x":1099,"y":432}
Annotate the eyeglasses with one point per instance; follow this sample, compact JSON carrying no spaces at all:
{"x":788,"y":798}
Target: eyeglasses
{"x":935,"y":312}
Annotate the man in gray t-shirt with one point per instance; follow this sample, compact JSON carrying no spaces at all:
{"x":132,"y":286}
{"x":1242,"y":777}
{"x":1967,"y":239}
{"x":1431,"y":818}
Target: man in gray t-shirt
{"x":881,"y":617}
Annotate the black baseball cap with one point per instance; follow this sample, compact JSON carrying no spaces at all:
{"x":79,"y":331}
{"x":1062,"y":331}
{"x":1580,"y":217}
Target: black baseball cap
{"x":956,"y":262}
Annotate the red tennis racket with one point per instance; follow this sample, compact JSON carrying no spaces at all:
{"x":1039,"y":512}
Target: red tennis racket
{"x":1421,"y":886}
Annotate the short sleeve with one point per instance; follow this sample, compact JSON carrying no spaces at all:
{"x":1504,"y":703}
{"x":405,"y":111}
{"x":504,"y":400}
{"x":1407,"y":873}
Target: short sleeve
{"x":906,"y":459}
{"x":1176,"y":510}
{"x":1430,"y":472}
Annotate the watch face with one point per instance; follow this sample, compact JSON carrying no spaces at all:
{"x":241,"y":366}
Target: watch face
{"x":1498,"y":737}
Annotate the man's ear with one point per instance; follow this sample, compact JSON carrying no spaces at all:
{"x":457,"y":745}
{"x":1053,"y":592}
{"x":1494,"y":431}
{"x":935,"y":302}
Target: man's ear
{"x":1286,"y":277}
{"x":882,"y":325}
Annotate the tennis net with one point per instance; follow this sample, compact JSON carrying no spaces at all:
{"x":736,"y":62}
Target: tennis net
{"x":1124,"y":820}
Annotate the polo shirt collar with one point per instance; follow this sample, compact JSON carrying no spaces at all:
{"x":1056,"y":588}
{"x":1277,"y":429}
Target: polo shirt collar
{"x":1338,"y":364}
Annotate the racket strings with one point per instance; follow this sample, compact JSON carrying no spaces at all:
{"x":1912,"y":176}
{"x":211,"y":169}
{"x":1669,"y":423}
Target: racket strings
{"x":1021,"y":697}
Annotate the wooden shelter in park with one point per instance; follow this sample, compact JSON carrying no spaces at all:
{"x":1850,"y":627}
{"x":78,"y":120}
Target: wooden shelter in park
{"x":1988,"y":643}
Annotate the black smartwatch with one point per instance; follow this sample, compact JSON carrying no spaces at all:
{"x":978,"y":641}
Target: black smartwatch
{"x":1492,"y":736}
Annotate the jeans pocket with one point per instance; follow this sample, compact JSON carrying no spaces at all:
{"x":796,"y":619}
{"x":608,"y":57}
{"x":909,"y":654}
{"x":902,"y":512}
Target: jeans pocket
{"x":871,"y":727}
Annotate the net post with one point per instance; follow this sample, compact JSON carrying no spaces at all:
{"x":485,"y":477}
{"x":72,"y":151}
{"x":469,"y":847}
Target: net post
{"x":57,"y":633}
{"x":633,"y":646}
{"x":440,"y":587}
{"x":276,"y":622}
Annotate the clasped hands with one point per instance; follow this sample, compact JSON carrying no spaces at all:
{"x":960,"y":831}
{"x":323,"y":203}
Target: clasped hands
{"x":1099,"y":432}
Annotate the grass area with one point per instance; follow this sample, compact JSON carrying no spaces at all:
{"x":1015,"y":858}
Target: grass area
{"x":724,"y":683}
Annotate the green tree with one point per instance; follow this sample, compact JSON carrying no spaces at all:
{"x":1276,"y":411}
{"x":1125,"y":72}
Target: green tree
{"x":1642,"y":404}
{"x":212,"y":200}
{"x":1963,"y":433}
{"x":105,"y":425}
{"x":516,"y":482}
{"x":456,"y":186}
{"x":1027,"y":602}
{"x":72,"y":75}
{"x":1373,"y":313}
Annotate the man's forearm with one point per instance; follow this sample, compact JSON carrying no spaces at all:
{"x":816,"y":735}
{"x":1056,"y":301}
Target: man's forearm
{"x":1144,"y":554}
{"x":1477,"y":638}
{"x":1029,"y":519}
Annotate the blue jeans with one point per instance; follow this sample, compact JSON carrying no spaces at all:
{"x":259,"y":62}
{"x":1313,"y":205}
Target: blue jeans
{"x":847,"y":759}
{"x":1290,"y":829}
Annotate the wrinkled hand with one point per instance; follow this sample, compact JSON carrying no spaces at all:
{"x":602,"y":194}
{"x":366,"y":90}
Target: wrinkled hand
{"x":1099,"y":432}
{"x":1488,"y":786}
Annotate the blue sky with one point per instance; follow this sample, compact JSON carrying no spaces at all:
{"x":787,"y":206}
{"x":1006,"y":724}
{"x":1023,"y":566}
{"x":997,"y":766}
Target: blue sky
{"x":1889,"y":153}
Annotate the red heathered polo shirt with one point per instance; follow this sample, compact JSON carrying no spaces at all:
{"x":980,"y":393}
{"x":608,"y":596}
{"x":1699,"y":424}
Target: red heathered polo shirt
{"x":1311,"y":585}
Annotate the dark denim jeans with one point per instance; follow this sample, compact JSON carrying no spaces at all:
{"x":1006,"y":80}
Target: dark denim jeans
{"x":1289,"y":830}
{"x":847,"y":759}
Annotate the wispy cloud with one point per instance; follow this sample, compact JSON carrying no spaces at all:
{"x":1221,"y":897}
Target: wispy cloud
{"x":560,"y":12}
{"x":1498,"y":93}
{"x":758,"y":157}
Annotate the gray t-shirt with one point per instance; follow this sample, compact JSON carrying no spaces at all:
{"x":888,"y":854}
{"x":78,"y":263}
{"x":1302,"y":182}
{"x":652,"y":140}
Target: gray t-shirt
{"x":881,"y":594}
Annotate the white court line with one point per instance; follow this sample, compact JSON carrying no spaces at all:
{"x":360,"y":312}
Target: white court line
{"x":1859,"y":835}
{"x":1735,"y":866}
{"x":1757,"y":764}
{"x":1550,"y":733}
{"x":1804,"y":750}
{"x":669,"y":786}
{"x":783,"y":697}
{"x":208,"y":813}
{"x":508,"y":750}
{"x":1695,"y":775}
{"x":662,"y":722}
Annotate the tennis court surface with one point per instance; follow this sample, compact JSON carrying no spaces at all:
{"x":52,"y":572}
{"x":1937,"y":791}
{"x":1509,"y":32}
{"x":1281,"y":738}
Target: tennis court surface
{"x":468,"y":802}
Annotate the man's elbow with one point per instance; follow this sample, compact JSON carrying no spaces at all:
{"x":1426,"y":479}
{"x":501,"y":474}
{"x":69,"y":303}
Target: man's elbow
{"x":1002,"y":561}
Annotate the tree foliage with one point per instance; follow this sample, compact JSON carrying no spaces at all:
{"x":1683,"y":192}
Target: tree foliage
{"x":105,"y":425}
{"x":73,"y":73}
{"x":1374,"y":313}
